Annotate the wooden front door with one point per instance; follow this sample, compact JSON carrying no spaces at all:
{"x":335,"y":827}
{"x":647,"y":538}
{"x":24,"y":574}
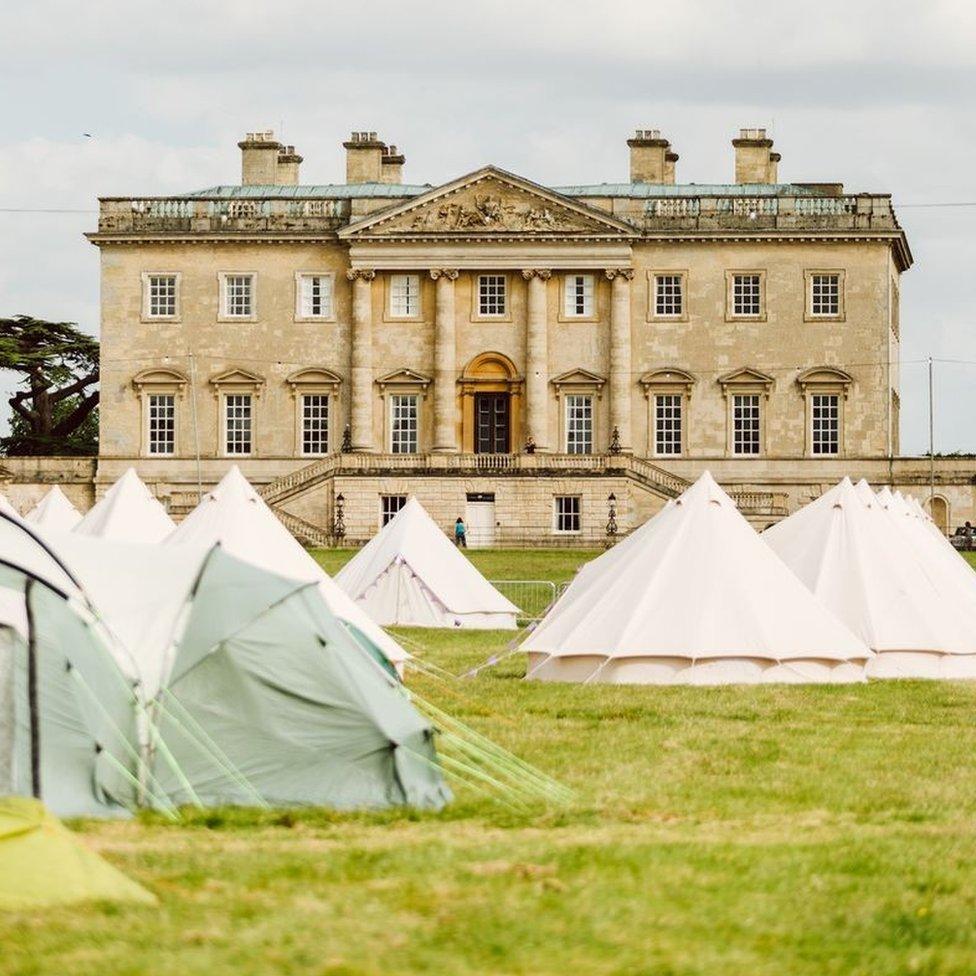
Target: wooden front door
{"x":491,"y":423}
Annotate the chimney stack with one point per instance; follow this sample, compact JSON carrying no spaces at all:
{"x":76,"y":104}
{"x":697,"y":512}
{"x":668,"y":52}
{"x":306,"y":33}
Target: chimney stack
{"x":648,"y":151}
{"x":364,"y":158}
{"x":259,"y":159}
{"x":288,"y":163}
{"x":670,"y":158}
{"x":754,"y":160}
{"x":391,"y":165}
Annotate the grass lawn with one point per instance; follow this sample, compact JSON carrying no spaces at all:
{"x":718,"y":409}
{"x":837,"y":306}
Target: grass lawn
{"x":780,"y":830}
{"x":556,"y":565}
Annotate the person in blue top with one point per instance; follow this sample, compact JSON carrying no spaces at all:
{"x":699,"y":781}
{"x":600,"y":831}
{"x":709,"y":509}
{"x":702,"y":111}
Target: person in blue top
{"x":459,"y":534}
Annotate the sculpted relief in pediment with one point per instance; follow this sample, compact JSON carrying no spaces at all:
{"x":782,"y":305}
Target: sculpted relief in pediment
{"x":488,"y":210}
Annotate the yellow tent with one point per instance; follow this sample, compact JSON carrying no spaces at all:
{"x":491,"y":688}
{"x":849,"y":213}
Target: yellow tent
{"x":42,"y":863}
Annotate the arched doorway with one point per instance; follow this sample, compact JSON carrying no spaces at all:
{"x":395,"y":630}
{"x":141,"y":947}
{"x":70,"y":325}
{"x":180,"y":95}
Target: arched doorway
{"x":490,"y":395}
{"x":939,"y":510}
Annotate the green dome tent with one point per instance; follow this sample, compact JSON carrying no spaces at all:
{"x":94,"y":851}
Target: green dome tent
{"x":43,"y":864}
{"x":236,"y":686}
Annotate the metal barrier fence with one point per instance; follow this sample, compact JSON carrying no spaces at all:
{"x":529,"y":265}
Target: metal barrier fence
{"x":532,"y":597}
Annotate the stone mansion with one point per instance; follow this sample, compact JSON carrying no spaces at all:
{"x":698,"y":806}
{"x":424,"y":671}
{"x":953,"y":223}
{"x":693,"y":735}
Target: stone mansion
{"x":508,"y":352}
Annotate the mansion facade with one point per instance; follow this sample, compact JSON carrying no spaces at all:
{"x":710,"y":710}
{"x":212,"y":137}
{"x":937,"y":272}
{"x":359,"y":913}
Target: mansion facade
{"x":526,"y":357}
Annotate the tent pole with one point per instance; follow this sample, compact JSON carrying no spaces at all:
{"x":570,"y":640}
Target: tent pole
{"x":931,"y":442}
{"x":33,"y":717}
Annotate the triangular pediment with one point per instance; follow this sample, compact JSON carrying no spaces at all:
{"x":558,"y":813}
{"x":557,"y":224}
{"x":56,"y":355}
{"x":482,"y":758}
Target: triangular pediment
{"x":489,"y":203}
{"x":578,"y":377}
{"x":237,"y":377}
{"x":404,"y":377}
{"x":747,"y":376}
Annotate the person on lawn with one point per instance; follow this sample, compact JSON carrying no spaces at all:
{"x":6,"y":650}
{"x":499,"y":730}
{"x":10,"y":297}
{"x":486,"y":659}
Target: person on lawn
{"x":460,"y":533}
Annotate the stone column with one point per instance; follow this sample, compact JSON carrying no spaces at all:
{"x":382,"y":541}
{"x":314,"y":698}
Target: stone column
{"x":620,"y":358}
{"x":537,"y":360}
{"x":361,"y":371}
{"x":445,"y":361}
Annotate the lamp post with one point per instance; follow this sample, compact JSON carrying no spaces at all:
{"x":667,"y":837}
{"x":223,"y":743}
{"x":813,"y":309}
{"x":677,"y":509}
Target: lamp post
{"x":611,"y":519}
{"x":615,"y":441}
{"x":339,"y":524}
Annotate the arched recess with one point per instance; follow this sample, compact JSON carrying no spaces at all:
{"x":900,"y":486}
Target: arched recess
{"x":938,"y":508}
{"x":490,"y":382}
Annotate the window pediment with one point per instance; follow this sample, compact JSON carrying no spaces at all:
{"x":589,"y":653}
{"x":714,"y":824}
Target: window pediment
{"x":314,"y":379}
{"x":237,"y":379}
{"x":825,"y":378}
{"x":404,"y":380}
{"x":161,"y":379}
{"x":746,"y":379}
{"x":578,"y":380}
{"x":668,"y":378}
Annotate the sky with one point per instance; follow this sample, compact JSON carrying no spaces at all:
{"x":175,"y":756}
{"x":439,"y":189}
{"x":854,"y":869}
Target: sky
{"x":878,"y":95}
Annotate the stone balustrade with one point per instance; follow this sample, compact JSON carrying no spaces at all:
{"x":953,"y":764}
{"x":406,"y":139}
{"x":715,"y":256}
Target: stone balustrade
{"x":297,"y":215}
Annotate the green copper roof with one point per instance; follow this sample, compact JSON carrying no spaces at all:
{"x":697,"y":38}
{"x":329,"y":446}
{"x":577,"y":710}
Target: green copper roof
{"x":688,"y":190}
{"x":343,"y":191}
{"x":333,"y":191}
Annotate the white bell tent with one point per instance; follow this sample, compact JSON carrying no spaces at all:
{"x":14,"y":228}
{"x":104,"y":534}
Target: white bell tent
{"x":54,"y":512}
{"x":888,"y":587}
{"x":693,"y":596}
{"x":236,"y":516}
{"x":128,"y":512}
{"x":410,"y":574}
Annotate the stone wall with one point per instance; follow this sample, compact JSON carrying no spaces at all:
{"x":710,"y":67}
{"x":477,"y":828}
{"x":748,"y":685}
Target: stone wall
{"x":26,"y":480}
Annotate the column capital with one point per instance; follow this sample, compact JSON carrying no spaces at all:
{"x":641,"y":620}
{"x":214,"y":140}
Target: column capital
{"x":449,"y":273}
{"x":625,"y":273}
{"x":544,"y":273}
{"x":364,"y":274}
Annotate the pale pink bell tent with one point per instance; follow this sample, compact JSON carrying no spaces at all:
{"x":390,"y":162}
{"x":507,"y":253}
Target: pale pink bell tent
{"x":54,"y":512}
{"x":236,"y":516}
{"x":410,"y":574}
{"x":693,"y":596}
{"x":885,"y":584}
{"x":128,"y":512}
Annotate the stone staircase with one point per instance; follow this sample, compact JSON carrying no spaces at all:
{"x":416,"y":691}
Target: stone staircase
{"x":304,"y":531}
{"x":643,"y":472}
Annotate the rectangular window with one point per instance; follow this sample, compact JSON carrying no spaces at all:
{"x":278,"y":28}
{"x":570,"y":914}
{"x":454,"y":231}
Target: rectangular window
{"x":746,"y":294}
{"x":315,"y":423}
{"x":579,"y":424}
{"x":825,"y":295}
{"x":491,"y":295}
{"x":315,"y":294}
{"x":161,"y":420}
{"x":237,"y":423}
{"x":745,"y":424}
{"x":825,"y":423}
{"x":162,"y":296}
{"x":578,"y":297}
{"x":389,"y":506}
{"x":238,"y":298}
{"x":567,"y":513}
{"x":403,"y":423}
{"x":669,"y":296}
{"x":405,"y":296}
{"x":667,"y":424}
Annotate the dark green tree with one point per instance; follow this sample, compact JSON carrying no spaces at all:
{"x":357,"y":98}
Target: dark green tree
{"x":55,"y":412}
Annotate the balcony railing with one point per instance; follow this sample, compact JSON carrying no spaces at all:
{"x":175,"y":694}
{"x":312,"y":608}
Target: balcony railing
{"x":167,"y":215}
{"x":197,"y":215}
{"x":864,"y":211}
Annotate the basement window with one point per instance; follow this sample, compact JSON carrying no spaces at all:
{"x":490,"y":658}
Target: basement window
{"x":567,"y":509}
